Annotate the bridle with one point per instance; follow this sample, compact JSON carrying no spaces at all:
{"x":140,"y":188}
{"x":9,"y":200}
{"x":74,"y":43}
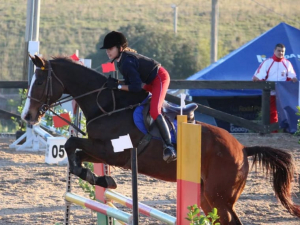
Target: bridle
{"x":48,"y":92}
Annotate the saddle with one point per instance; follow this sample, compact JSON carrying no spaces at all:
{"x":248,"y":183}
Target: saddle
{"x":144,"y":122}
{"x":170,"y":113}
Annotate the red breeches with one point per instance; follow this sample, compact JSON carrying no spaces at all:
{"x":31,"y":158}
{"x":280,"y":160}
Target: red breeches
{"x":158,"y":88}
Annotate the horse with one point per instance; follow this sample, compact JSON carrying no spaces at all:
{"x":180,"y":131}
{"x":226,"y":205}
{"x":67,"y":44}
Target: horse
{"x":224,"y":160}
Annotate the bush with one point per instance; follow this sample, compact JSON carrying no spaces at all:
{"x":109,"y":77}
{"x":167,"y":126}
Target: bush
{"x":197,"y":219}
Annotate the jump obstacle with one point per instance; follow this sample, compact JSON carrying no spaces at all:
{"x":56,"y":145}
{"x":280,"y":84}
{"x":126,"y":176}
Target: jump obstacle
{"x":188,"y":167}
{"x":143,"y":209}
{"x":99,"y":207}
{"x":35,"y":140}
{"x":188,"y":181}
{"x":38,"y":139}
{"x":108,"y":210}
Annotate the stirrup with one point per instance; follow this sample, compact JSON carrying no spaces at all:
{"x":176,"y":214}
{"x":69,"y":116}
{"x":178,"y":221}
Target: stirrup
{"x":171,"y":155}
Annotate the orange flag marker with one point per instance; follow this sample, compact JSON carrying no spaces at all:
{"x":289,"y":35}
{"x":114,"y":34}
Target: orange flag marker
{"x":108,"y":67}
{"x":58,"y":122}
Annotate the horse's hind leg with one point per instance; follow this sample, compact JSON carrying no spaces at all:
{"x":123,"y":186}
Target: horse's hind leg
{"x":223,"y":211}
{"x":224,"y":205}
{"x":75,"y":163}
{"x":222,"y":191}
{"x":207,"y":208}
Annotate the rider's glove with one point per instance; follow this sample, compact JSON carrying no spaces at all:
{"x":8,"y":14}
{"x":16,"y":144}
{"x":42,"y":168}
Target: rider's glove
{"x":112,"y":83}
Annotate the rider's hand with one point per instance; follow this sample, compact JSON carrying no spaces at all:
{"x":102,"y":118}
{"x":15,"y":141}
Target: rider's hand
{"x":112,"y":83}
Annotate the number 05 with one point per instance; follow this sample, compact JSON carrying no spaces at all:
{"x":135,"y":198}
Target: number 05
{"x":60,"y":153}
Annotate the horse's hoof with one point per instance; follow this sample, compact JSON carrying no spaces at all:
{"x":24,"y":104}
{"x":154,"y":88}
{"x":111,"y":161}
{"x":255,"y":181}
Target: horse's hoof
{"x":110,"y":182}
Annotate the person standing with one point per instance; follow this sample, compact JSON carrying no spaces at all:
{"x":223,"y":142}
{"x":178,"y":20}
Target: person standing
{"x":276,"y":68}
{"x":141,"y":72}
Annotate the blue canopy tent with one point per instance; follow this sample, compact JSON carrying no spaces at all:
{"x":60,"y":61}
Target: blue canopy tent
{"x":241,"y":64}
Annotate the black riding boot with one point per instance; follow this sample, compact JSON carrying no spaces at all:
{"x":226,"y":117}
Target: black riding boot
{"x":169,"y":153}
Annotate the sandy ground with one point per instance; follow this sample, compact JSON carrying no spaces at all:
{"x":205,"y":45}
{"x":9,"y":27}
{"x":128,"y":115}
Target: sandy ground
{"x":31,"y":191}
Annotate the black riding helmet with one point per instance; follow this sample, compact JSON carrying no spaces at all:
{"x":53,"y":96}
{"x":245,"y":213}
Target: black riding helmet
{"x":114,"y":38}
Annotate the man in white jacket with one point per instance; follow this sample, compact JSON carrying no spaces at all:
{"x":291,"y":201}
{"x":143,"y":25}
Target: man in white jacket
{"x":276,"y":68}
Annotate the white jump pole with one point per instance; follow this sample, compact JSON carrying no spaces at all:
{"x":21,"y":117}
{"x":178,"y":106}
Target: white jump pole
{"x":143,"y":209}
{"x":99,"y":207}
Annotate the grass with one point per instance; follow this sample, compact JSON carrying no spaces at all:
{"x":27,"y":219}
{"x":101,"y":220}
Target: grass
{"x":67,"y":25}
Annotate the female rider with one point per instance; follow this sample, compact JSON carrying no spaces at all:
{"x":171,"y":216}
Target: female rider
{"x":141,"y":72}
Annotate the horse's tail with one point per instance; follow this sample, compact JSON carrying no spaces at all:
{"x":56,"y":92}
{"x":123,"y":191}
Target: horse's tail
{"x":281,"y":165}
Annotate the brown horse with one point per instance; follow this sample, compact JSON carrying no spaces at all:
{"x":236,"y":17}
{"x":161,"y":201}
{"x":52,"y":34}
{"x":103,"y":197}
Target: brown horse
{"x":224,"y":161}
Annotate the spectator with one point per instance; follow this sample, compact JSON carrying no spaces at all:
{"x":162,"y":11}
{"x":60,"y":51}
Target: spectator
{"x":276,"y":68}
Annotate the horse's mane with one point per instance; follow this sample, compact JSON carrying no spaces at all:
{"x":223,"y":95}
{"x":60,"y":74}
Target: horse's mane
{"x":62,"y":58}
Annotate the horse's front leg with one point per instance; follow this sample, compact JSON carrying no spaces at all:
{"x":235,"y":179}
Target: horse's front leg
{"x":77,"y":157}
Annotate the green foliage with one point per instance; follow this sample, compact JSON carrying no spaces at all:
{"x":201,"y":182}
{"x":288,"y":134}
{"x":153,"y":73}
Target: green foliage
{"x":196,"y":219}
{"x":86,"y":187}
{"x":23,"y":95}
{"x":176,"y":53}
{"x":69,"y":25}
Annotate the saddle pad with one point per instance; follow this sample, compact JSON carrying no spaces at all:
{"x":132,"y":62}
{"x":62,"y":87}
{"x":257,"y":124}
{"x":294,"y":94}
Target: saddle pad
{"x":139,"y":122}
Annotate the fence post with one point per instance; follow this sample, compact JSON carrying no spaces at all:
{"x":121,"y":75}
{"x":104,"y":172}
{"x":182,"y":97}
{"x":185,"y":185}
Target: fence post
{"x":265,"y":108}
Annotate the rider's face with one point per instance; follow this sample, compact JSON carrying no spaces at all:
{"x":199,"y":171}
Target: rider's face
{"x":112,"y":52}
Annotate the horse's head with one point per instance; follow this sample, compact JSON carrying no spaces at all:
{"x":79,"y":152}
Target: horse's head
{"x":40,"y":94}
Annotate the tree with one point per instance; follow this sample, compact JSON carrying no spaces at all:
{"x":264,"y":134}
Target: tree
{"x":175,"y":53}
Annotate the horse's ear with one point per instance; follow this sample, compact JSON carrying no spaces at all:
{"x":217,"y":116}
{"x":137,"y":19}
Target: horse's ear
{"x":39,"y":62}
{"x":32,"y":58}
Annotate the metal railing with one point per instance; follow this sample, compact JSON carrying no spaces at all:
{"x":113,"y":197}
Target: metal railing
{"x":266,"y":87}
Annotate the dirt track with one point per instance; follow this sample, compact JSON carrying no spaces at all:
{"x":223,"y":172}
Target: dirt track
{"x":31,"y":192}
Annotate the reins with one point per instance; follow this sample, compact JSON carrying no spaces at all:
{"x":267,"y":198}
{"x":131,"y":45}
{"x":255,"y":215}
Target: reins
{"x":114,"y":111}
{"x":70,"y":123}
{"x":59,"y":102}
{"x":49,"y":92}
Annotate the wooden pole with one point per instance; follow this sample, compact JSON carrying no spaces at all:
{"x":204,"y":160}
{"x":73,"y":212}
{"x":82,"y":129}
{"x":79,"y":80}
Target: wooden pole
{"x":214,"y":31}
{"x":27,"y":38}
{"x":265,"y":107}
{"x":31,"y":34}
{"x":36,"y":20}
{"x":175,"y":18}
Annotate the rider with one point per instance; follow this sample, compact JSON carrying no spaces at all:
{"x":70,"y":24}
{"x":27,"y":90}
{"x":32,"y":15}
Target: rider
{"x":141,"y":72}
